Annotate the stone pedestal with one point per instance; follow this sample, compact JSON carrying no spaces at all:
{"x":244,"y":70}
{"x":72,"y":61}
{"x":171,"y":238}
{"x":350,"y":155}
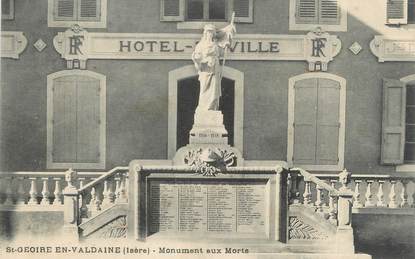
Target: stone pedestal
{"x":208,"y":128}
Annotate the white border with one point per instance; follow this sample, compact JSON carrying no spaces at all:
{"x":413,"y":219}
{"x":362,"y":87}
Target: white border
{"x":293,"y":26}
{"x":342,"y":120}
{"x":102,"y":131}
{"x":190,"y":71}
{"x":407,"y":168}
{"x":102,"y":23}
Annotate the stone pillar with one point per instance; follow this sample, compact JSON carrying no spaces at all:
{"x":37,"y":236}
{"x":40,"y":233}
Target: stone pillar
{"x":344,"y":237}
{"x":71,"y":205}
{"x":136,"y":203}
{"x":281,"y":205}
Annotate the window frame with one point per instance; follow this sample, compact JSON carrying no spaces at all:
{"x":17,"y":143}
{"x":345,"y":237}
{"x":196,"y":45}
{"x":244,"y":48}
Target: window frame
{"x":406,"y":167}
{"x":392,"y":25}
{"x":9,"y":16}
{"x":342,"y":119}
{"x":183,"y":23}
{"x":342,"y":26}
{"x":101,"y":23}
{"x":102,"y":128}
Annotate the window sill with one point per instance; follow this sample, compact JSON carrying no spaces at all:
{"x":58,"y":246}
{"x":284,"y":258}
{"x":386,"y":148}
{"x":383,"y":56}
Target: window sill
{"x":403,"y":27}
{"x":83,"y":24}
{"x":89,"y":166}
{"x":406,"y":168}
{"x":198,"y":25}
{"x":320,"y":167}
{"x":324,"y":27}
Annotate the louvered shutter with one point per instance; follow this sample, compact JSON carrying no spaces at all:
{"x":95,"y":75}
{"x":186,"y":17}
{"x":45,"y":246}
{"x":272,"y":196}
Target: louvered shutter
{"x":172,"y":10}
{"x":89,"y":10}
{"x":65,"y":10}
{"x":88,"y":120}
{"x":328,"y":124}
{"x":410,"y":124}
{"x":306,"y":11}
{"x":243,"y":10}
{"x":396,"y":11}
{"x":393,"y":121}
{"x":329,"y":12}
{"x":305,"y":113}
{"x":7,"y":9}
{"x":64,"y":120}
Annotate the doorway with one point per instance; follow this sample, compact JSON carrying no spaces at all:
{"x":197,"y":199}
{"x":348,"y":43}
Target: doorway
{"x":187,"y":99}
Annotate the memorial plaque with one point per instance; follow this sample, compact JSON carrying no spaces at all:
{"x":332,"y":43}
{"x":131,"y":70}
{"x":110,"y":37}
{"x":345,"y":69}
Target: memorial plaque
{"x":163,"y":207}
{"x":250,"y":208}
{"x":221,"y":207}
{"x":208,"y":206}
{"x":192,"y":207}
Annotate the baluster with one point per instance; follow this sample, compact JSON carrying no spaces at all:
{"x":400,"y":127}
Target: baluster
{"x":307,"y":192}
{"x":45,"y":192}
{"x":9,"y":191}
{"x":117,"y":188}
{"x":357,"y":203}
{"x":122,"y":190}
{"x":294,"y":192}
{"x":108,"y":193}
{"x":369,"y":196}
{"x":21,"y":193}
{"x":95,"y":202}
{"x":332,"y":208}
{"x":58,"y":192}
{"x":392,"y":195}
{"x":33,"y":191}
{"x":319,"y":199}
{"x":380,"y":195}
{"x":83,"y":210}
{"x":404,"y":194}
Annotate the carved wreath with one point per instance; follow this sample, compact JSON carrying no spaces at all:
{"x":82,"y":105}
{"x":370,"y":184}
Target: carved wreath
{"x":209,"y":162}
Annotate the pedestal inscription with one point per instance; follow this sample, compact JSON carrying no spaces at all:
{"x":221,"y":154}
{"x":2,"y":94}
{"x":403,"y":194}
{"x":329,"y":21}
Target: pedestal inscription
{"x":207,"y":206}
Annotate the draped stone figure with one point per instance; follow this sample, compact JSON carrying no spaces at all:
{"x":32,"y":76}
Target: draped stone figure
{"x":206,"y":56}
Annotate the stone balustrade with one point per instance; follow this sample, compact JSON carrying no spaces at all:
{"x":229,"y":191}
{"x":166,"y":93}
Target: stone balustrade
{"x":28,"y":190}
{"x":369,"y":191}
{"x":305,"y":188}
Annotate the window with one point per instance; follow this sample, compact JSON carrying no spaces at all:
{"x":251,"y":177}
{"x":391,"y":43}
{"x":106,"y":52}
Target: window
{"x":400,"y":12}
{"x":7,"y":9}
{"x":316,"y":118}
{"x":330,"y":15}
{"x":76,"y":120}
{"x":206,"y":10}
{"x":398,"y":122}
{"x":86,"y":13}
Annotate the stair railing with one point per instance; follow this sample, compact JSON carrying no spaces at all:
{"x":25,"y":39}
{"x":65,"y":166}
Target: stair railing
{"x":338,"y":210}
{"x":99,"y":194}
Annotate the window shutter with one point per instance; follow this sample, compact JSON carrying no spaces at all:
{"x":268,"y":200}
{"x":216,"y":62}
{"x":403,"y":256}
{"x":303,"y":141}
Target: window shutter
{"x":306,"y":11}
{"x":243,"y":10}
{"x":393,"y":121}
{"x":397,"y":12}
{"x":172,"y":10}
{"x":88,"y":120}
{"x":7,"y":9}
{"x":327,"y":147}
{"x":329,"y":12}
{"x":65,"y":10}
{"x":64,"y":120}
{"x":89,"y":10}
{"x":305,"y":112}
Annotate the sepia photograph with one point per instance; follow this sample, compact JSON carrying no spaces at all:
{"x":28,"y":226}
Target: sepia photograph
{"x":257,"y":129}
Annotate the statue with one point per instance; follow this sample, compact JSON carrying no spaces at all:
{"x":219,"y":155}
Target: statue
{"x":208,"y":51}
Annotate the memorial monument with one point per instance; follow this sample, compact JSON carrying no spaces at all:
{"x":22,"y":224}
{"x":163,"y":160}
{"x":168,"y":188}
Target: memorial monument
{"x":208,"y":120}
